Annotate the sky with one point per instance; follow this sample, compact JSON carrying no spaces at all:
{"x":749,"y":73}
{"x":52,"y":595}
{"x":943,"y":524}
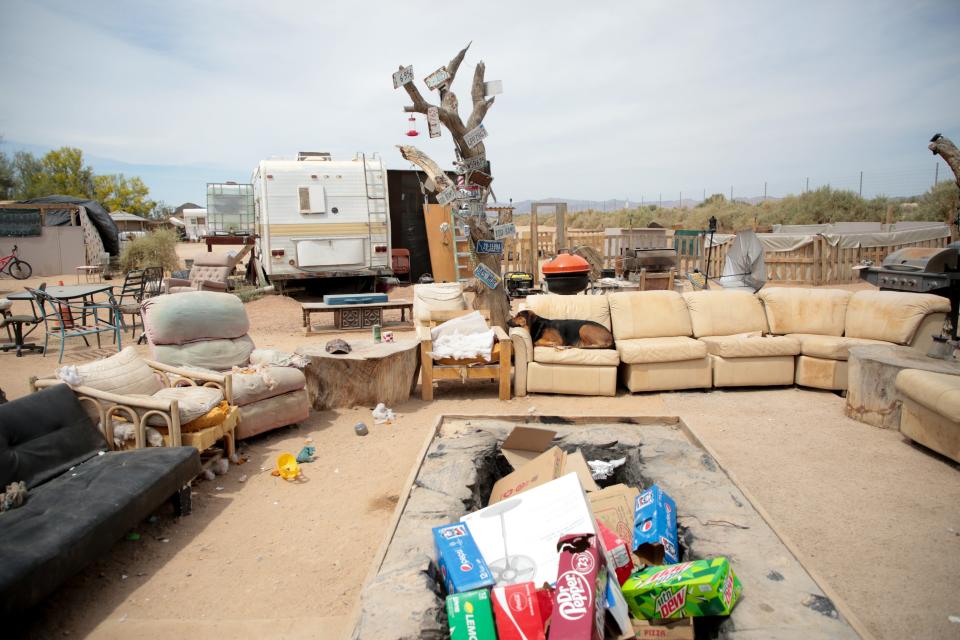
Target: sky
{"x":622,"y":100}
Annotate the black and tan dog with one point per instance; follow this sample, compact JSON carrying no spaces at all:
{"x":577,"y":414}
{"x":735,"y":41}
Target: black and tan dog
{"x":582,"y":334}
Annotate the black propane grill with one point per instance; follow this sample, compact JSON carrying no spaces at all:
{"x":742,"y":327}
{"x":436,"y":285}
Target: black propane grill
{"x":923,"y":270}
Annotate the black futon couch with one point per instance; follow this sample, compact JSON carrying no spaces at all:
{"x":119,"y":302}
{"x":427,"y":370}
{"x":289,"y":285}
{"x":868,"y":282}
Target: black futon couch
{"x":82,"y":497}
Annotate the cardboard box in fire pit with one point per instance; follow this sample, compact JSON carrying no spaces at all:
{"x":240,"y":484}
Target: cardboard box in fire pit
{"x":614,"y":507}
{"x":681,"y":629}
{"x":655,"y":527}
{"x":536,"y":462}
{"x":686,"y":590}
{"x":579,"y":596}
{"x":516,"y":610}
{"x":470,"y":616}
{"x":460,"y":562}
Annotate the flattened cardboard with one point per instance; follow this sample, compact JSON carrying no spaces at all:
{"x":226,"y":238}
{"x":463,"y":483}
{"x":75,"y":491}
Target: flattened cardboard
{"x":613,"y":506}
{"x":535,"y":462}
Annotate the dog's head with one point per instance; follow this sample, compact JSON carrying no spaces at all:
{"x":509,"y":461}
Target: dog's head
{"x":523,"y":319}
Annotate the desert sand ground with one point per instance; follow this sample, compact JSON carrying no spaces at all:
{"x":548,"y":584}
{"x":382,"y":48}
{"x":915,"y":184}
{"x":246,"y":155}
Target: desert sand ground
{"x":873,"y":517}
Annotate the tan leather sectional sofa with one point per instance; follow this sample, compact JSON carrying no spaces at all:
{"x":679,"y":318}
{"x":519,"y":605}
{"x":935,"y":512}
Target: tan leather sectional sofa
{"x":723,"y":338}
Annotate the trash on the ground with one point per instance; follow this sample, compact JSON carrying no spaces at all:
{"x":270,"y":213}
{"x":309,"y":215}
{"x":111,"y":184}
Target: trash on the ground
{"x":242,"y":478}
{"x":535,"y":463}
{"x":954,"y":619}
{"x":470,"y":615}
{"x":219,"y":488}
{"x":381,"y":414}
{"x":164,"y":539}
{"x":221,"y":467}
{"x":123,"y":576}
{"x":133,"y":535}
{"x":655,"y":527}
{"x":686,"y":590}
{"x":287,"y":467}
{"x":461,"y":564}
{"x":361,"y":430}
{"x":516,"y":610}
{"x":603,"y":469}
{"x":306,"y":454}
{"x":614,"y":507}
{"x":337,"y":346}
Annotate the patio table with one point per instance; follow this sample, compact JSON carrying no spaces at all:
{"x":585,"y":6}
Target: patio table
{"x":63,"y":292}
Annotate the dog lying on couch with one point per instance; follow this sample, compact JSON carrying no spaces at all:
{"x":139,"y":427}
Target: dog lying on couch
{"x":580,"y":334}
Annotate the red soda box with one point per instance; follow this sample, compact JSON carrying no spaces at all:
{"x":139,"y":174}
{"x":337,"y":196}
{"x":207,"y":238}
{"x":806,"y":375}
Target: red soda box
{"x":578,"y":602}
{"x":617,"y":552}
{"x":517,"y":612}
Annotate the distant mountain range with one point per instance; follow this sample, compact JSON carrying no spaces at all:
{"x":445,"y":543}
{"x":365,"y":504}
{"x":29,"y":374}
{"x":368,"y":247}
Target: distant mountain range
{"x":573,"y":206}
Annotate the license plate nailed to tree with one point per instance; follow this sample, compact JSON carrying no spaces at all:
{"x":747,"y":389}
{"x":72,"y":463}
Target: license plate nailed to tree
{"x":494,"y":247}
{"x":475,"y":136}
{"x":502,"y":231}
{"x":486,"y":275}
{"x":402,"y":77}
{"x":686,"y":590}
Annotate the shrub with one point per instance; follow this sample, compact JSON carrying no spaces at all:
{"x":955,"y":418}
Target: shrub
{"x":156,"y":249}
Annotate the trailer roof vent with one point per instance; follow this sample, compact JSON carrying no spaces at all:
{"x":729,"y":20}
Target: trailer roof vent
{"x":321,"y":156}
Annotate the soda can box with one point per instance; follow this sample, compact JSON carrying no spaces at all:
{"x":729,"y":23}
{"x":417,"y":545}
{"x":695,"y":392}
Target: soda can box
{"x":579,"y":596}
{"x":461,"y":564}
{"x":516,"y":610}
{"x":470,"y":616}
{"x":655,"y":527}
{"x":617,"y":552}
{"x":686,"y":590}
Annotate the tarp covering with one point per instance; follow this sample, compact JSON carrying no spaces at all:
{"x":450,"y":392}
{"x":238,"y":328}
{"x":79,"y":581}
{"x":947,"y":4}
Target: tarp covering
{"x":780,"y":242}
{"x":101,"y":220}
{"x":743,"y":267}
{"x":802,"y":229}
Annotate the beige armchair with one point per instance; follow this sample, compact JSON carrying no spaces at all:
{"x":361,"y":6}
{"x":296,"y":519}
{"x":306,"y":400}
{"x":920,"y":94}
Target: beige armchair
{"x":210,"y":272}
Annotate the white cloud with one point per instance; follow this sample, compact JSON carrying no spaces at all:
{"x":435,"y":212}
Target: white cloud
{"x":602,"y":100}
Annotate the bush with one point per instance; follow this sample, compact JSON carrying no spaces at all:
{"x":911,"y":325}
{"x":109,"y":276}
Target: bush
{"x":156,"y":249}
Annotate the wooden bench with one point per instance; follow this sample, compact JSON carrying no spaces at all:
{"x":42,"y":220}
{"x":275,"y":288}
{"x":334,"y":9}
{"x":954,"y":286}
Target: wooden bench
{"x":355,"y":317}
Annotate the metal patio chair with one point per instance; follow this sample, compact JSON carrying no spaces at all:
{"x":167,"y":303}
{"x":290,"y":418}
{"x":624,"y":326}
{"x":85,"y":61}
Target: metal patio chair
{"x":65,"y":319}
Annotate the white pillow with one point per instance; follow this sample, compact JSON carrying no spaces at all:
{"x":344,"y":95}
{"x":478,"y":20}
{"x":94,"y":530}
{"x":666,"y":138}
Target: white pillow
{"x":193,"y":402}
{"x":125,"y":373}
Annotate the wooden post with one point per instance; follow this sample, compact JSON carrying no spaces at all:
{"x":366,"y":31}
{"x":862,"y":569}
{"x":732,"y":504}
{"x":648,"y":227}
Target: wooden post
{"x":534,"y":246}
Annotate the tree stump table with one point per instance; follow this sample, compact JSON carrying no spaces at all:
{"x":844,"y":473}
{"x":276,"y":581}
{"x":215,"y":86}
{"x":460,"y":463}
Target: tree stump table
{"x":872,"y":396}
{"x":371,"y":373}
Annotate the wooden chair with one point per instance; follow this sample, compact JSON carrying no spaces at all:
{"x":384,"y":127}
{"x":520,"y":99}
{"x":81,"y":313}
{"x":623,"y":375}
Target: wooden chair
{"x":477,"y":368}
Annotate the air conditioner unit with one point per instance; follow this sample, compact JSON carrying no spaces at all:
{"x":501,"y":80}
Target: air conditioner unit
{"x":321,"y":156}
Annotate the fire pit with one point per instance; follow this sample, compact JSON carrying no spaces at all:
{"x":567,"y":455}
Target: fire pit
{"x":403,"y":597}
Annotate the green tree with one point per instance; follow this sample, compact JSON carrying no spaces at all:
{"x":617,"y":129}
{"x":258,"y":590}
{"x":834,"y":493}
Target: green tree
{"x":116,"y":192}
{"x":65,"y":173}
{"x":8,"y":177}
{"x":29,"y":173}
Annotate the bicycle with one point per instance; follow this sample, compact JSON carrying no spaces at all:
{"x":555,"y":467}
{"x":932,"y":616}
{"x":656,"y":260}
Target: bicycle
{"x":19,"y":269}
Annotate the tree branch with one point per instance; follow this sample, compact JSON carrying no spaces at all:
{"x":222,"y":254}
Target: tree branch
{"x":454,"y":65}
{"x":431,"y":168}
{"x":945,"y":148}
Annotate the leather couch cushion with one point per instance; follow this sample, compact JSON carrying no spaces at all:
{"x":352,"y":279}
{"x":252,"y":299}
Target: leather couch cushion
{"x":938,"y":392}
{"x":892,"y":316}
{"x":648,"y":314}
{"x":724,"y":313}
{"x":124,"y":373}
{"x":667,"y":349}
{"x":829,"y":347}
{"x":583,"y":380}
{"x":597,"y":357}
{"x":796,"y":310}
{"x":555,"y":307}
{"x":254,"y":387}
{"x":78,"y":516}
{"x":751,"y":346}
{"x":42,"y":435}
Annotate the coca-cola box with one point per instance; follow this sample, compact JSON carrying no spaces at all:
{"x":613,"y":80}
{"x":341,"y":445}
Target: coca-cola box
{"x":578,"y":599}
{"x":516,"y":609}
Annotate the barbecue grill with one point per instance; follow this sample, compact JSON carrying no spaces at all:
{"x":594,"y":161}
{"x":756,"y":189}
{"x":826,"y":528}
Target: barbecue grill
{"x":923,"y":270}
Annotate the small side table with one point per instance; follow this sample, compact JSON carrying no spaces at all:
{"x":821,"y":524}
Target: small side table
{"x":872,"y":396}
{"x":92,"y":272}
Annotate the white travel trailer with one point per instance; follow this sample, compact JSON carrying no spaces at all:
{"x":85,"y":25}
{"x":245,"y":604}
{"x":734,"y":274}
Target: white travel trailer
{"x":319,"y":218}
{"x":195,"y":223}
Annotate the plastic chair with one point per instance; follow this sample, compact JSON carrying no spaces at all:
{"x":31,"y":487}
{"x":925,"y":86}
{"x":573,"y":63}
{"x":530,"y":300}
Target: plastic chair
{"x":400,"y":262}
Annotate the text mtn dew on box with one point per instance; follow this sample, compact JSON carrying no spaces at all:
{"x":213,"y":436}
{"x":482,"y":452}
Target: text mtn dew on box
{"x":686,"y":590}
{"x":461,"y":564}
{"x":470,"y":616}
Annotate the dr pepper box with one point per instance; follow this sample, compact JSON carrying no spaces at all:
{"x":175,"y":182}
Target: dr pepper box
{"x":516,"y":610}
{"x":470,"y":616}
{"x":578,"y":601}
{"x":655,"y":527}
{"x":686,"y":590}
{"x":461,"y":565}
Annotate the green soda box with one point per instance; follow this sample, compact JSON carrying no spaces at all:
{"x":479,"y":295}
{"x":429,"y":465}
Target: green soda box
{"x":686,"y":590}
{"x":470,"y":615}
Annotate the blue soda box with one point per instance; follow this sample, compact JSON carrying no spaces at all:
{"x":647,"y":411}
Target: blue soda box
{"x":655,"y":527}
{"x":459,"y":559}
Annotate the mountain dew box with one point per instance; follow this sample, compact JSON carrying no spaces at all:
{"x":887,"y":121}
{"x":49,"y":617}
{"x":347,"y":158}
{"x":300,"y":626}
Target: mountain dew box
{"x":686,"y":590}
{"x":470,"y":616}
{"x":459,"y":559}
{"x":655,"y":527}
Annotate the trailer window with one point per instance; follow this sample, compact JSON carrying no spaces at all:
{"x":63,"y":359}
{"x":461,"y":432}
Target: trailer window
{"x":312,"y":200}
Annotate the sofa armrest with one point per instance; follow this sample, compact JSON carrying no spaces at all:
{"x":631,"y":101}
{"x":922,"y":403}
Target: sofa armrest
{"x":210,"y":285}
{"x":222,"y":381}
{"x":522,"y":356}
{"x":423,"y":332}
{"x":932,"y":324}
{"x":175,"y":282}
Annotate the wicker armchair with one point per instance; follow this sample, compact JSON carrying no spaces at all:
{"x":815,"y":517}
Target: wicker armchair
{"x":106,"y":407}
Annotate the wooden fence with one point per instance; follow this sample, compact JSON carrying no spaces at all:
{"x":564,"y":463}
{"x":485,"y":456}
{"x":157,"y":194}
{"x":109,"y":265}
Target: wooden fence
{"x":817,"y":263}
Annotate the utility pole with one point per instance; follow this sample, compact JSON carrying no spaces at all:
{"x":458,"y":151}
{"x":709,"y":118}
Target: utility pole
{"x":731,"y":193}
{"x":661,"y":200}
{"x":808,"y":186}
{"x":861,"y":184}
{"x":936,"y":174}
{"x":681,"y":199}
{"x":704,"y":195}
{"x":764,"y":189}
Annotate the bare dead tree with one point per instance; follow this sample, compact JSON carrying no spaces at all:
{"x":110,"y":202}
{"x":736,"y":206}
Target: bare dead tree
{"x":449,"y":115}
{"x":944,"y":147}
